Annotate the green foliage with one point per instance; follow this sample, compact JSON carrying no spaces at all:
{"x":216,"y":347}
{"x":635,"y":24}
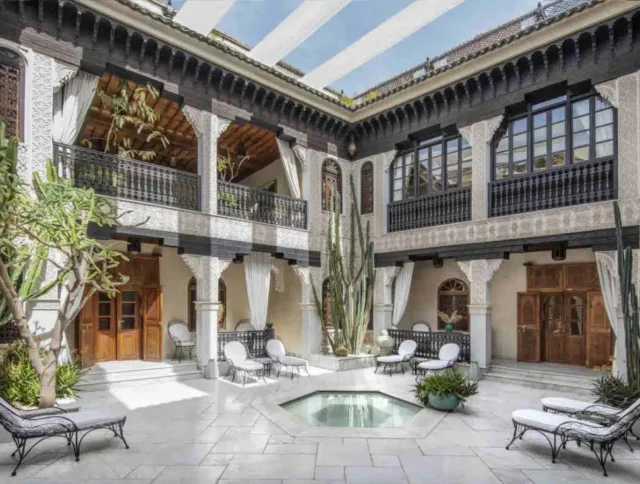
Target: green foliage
{"x":447,"y":382}
{"x":614,"y":391}
{"x":351,"y":280}
{"x":371,"y":95}
{"x":131,"y":115}
{"x":20,"y":384}
{"x":341,"y":352}
{"x":229,"y":166}
{"x":348,"y":101}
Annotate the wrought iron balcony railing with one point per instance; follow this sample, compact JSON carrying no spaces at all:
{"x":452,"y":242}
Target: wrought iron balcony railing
{"x":258,"y":205}
{"x":577,"y":184}
{"x":430,"y":210}
{"x":126,"y":178}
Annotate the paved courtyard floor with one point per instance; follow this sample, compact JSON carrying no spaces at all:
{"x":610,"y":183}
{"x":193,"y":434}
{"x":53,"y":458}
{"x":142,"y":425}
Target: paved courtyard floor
{"x":207,"y":431}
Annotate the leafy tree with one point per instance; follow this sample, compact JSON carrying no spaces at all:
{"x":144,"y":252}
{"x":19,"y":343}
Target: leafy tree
{"x":228,"y":166}
{"x":131,"y":115}
{"x":46,"y":228}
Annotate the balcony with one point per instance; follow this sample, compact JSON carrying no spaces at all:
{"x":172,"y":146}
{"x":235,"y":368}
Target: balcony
{"x":577,"y":184}
{"x":125,"y":178}
{"x":258,"y":205}
{"x":431,"y":210}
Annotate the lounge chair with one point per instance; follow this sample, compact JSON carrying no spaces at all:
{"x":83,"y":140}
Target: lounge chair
{"x":447,"y":357}
{"x":67,"y":426}
{"x":600,"y":438}
{"x":421,"y":327}
{"x":406,"y":351}
{"x":182,"y":338}
{"x":237,"y":357}
{"x":276,"y":351}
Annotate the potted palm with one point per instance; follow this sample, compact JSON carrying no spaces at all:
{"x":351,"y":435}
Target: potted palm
{"x":445,"y":390}
{"x":449,"y":320}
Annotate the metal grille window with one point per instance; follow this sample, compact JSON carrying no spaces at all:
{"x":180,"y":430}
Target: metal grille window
{"x":453,"y":295}
{"x":11,"y":85}
{"x":555,"y":133}
{"x":366,"y":188}
{"x":443,"y":164}
{"x":331,"y":183}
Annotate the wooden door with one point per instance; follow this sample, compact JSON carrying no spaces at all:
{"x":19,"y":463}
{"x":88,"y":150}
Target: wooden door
{"x":528,"y":327}
{"x":105,"y":329}
{"x":553,"y":327}
{"x":598,"y":331}
{"x":576,"y":325}
{"x":86,"y":334}
{"x":152,"y":315}
{"x":129,"y":326}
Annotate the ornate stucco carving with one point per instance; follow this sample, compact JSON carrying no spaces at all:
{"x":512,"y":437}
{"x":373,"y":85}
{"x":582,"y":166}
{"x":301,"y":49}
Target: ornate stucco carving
{"x":303,"y":274}
{"x":223,"y":124}
{"x":609,"y":91}
{"x":467,"y":134}
{"x":41,"y":112}
{"x":194,"y":263}
{"x":301,"y":153}
{"x":479,"y":273}
{"x":387,"y":159}
{"x":194,"y":116}
{"x":278,"y":278}
{"x":389,"y":274}
{"x":63,"y":73}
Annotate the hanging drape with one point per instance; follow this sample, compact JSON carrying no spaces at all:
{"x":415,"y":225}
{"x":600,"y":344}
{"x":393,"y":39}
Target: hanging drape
{"x":257,"y":272}
{"x":290,"y":168}
{"x":609,"y":284}
{"x":401,"y":294}
{"x":70,"y":106}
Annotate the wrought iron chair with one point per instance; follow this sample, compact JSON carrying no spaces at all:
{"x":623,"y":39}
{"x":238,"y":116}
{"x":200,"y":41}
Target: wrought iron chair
{"x":244,"y":325}
{"x":276,"y":351}
{"x":421,"y":327}
{"x":560,"y":429}
{"x":447,"y":357}
{"x":67,"y":426}
{"x":182,"y":338}
{"x":237,"y":356}
{"x":406,"y":351}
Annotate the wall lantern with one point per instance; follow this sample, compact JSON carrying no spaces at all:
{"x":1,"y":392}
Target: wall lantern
{"x":559,"y":253}
{"x":352,"y":148}
{"x":134,"y":246}
{"x":438,"y":263}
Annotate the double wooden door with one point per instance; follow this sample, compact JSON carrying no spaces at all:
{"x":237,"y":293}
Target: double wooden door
{"x":118,"y":333}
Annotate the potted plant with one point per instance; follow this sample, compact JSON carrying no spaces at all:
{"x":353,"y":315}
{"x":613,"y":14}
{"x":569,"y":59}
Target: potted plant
{"x":445,"y":390}
{"x":449,"y":320}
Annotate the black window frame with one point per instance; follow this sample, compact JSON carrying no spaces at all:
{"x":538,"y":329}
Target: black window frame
{"x":419,"y":146}
{"x":531,"y":111}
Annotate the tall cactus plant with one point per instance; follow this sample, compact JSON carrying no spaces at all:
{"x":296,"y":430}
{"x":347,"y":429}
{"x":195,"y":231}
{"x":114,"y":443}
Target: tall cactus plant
{"x":629,"y":299}
{"x":351,"y":280}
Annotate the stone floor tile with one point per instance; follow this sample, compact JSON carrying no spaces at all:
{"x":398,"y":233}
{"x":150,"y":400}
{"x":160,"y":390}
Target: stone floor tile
{"x":385,"y":460}
{"x":432,"y":447}
{"x":499,"y":458}
{"x":393,"y":447}
{"x":217,"y":459}
{"x":447,"y":469}
{"x":512,"y":476}
{"x":273,"y":466}
{"x":266,"y":426}
{"x":87,"y":468}
{"x":355,"y":453}
{"x":549,"y":476}
{"x":375,"y":475}
{"x":190,"y":475}
{"x":250,"y":481}
{"x":329,"y":472}
{"x":211,"y":434}
{"x":241,"y":444}
{"x":235,"y":420}
{"x":281,"y":439}
{"x":145,"y":472}
{"x":291,"y":449}
{"x":318,"y":440}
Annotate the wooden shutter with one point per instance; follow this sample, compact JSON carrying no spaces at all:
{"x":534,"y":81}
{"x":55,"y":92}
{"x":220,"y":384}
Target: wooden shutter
{"x":598,"y":331}
{"x":152,"y":324}
{"x":86,"y":334}
{"x":11,"y":71}
{"x":581,"y":277}
{"x":528,"y":327}
{"x":545,"y":278}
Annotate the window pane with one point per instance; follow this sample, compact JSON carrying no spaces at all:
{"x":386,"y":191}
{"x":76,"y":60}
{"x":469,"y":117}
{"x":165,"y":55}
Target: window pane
{"x":604,"y":117}
{"x":452,"y":145}
{"x":452,"y":158}
{"x":540,"y":149}
{"x":397,"y":173}
{"x":466,"y":175}
{"x":436,"y":181}
{"x":557,"y":129}
{"x":397,"y":195}
{"x":539,"y":120}
{"x":604,"y":149}
{"x":424,"y":177}
{"x":604,"y":133}
{"x":502,"y":171}
{"x":452,"y":177}
{"x":557,"y":115}
{"x":519,"y":125}
{"x":581,"y":123}
{"x":601,"y":104}
{"x":520,"y":140}
{"x":436,"y":150}
{"x":550,"y":102}
{"x":540,"y":134}
{"x":580,"y":154}
{"x":410,"y":182}
{"x":423,"y":154}
{"x":397,"y":185}
{"x":540,"y":163}
{"x":520,"y":168}
{"x":557,"y":145}
{"x":436,"y":162}
{"x":467,"y":154}
{"x":557,"y":159}
{"x":503,"y":144}
{"x":502,"y":158}
{"x":580,"y":108}
{"x":465,"y":143}
{"x":581,"y":139}
{"x":520,"y":154}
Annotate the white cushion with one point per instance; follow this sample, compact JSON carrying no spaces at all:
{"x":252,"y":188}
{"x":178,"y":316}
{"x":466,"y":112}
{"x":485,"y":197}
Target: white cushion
{"x":542,"y":420}
{"x":292,"y":361}
{"x":249,"y":365}
{"x":569,"y":405}
{"x":434,"y":365}
{"x":390,"y":359}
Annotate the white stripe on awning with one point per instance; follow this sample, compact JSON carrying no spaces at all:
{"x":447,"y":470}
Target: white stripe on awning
{"x":295,"y":29}
{"x":202,"y":15}
{"x":374,"y":43}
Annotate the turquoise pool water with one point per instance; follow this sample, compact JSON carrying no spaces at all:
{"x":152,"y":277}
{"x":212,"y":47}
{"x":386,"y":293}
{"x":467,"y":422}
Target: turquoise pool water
{"x":352,"y":409}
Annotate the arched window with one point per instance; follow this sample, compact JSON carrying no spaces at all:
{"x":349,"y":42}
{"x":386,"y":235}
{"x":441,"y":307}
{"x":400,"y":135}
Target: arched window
{"x":433,"y":166}
{"x":554,"y":133}
{"x":12,"y":92}
{"x":193,"y":297}
{"x":366,"y":188}
{"x":453,"y":295}
{"x":331,"y":183}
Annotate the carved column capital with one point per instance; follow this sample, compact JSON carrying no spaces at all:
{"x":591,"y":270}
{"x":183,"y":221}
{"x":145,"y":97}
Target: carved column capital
{"x":387,"y":159}
{"x":63,"y":73}
{"x":303,"y":274}
{"x":195,"y":118}
{"x":609,"y":91}
{"x":223,"y":124}
{"x":467,"y":133}
{"x":301,"y":153}
{"x":194,"y":263}
{"x":278,"y":278}
{"x":479,"y":273}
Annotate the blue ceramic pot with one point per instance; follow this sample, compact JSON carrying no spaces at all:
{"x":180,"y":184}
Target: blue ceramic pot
{"x":445,"y":402}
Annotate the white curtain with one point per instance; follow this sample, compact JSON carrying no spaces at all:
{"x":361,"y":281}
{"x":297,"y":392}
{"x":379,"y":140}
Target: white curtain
{"x":290,"y":168}
{"x":70,"y":106}
{"x":610,"y":287}
{"x":257,"y":272}
{"x":401,"y":294}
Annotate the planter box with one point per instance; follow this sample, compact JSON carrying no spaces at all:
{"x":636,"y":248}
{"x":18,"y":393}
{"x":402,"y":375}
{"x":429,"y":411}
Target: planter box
{"x":351,"y":362}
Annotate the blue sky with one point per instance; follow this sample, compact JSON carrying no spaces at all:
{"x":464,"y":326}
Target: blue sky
{"x":250,"y":20}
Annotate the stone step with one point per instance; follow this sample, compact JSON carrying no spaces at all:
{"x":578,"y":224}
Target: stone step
{"x":97,"y":380}
{"x":563,"y":382}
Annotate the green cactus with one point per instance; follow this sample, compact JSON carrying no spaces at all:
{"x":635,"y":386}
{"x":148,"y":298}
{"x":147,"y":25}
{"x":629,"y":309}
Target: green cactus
{"x":629,"y":297}
{"x":341,"y":352}
{"x":351,"y":280}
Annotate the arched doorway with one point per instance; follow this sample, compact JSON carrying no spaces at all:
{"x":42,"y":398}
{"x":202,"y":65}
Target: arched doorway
{"x":453,"y":295}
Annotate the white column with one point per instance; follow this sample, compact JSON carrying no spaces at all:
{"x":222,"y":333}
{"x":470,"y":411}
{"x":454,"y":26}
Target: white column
{"x":382,"y":298}
{"x":208,"y":128}
{"x":311,"y":327}
{"x":479,"y":273}
{"x":479,"y":135}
